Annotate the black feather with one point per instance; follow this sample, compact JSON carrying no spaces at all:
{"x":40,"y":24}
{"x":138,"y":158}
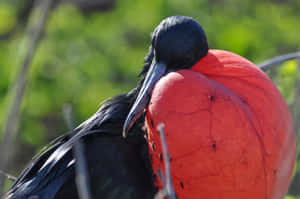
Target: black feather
{"x":118,"y":167}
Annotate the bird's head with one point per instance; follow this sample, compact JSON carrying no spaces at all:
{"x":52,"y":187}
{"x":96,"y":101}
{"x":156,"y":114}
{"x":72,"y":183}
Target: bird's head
{"x":178,"y":42}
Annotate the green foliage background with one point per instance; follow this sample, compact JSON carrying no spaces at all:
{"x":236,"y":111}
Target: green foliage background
{"x":84,"y":59}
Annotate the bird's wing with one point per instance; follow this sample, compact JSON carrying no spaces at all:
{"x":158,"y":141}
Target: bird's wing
{"x":40,"y":159}
{"x":33,"y":176}
{"x":50,"y":171}
{"x":51,"y":167}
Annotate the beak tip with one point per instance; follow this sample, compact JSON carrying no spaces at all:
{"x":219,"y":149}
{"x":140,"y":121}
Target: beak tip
{"x":156,"y":71}
{"x":124,"y":134}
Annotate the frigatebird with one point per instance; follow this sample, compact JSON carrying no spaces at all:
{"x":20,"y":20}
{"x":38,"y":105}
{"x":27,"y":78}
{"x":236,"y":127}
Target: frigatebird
{"x":118,"y":167}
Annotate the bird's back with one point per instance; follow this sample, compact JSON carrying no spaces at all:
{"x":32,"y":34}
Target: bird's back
{"x":117,"y":167}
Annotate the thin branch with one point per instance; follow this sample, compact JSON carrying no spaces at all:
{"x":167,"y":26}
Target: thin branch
{"x":8,"y":176}
{"x":168,"y":190}
{"x":10,"y":132}
{"x":278,"y":60}
{"x":295,"y":109}
{"x":82,"y":176}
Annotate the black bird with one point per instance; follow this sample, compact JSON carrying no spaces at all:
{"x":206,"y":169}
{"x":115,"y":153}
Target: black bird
{"x":118,"y":167}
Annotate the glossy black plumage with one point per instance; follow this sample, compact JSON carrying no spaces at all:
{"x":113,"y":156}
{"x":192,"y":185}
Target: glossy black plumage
{"x":118,"y":167}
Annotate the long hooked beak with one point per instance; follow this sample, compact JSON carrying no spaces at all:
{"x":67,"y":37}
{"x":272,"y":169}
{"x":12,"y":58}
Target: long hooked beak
{"x":156,"y":71}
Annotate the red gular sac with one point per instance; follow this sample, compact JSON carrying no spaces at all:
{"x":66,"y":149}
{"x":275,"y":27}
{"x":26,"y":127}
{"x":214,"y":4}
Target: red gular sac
{"x":228,"y":131}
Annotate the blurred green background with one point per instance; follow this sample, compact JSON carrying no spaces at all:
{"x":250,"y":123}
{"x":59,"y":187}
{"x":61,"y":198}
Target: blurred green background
{"x":94,"y":49}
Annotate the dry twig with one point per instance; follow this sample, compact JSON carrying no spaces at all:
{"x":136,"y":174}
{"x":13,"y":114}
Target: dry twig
{"x":8,"y":176}
{"x":168,"y":190}
{"x":10,"y":132}
{"x":295,"y":109}
{"x":82,"y":176}
{"x":278,"y":60}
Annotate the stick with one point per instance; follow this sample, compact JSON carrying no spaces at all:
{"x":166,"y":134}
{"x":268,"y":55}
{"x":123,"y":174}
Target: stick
{"x":168,"y":190}
{"x":10,"y":132}
{"x":8,"y":176}
{"x":278,"y":60}
{"x":295,"y":109}
{"x":82,"y":176}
